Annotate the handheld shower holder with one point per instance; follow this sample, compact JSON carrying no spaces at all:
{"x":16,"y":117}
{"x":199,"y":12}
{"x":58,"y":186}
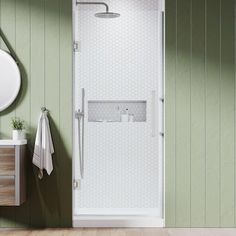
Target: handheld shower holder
{"x":79,"y":114}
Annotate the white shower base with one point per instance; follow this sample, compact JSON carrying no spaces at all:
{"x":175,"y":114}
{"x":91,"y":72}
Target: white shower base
{"x":110,"y":221}
{"x":117,"y":217}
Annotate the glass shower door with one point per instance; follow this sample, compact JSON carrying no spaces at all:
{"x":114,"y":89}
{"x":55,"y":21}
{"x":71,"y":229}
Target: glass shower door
{"x":119,"y":70}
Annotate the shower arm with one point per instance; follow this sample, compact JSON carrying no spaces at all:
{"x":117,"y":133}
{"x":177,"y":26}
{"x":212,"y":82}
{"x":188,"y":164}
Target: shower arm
{"x":94,"y":3}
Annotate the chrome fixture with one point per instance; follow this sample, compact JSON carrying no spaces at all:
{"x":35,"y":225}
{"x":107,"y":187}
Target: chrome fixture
{"x":107,"y":14}
{"x":80,"y":116}
{"x":44,"y":109}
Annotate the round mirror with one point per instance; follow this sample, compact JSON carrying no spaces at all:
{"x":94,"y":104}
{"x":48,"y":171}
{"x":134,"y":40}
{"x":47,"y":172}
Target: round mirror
{"x":10,"y":80}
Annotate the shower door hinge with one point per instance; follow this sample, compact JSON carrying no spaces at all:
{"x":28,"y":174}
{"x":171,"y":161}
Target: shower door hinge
{"x":76,"y":184}
{"x":77,"y":46}
{"x":162,"y":134}
{"x":162,"y":100}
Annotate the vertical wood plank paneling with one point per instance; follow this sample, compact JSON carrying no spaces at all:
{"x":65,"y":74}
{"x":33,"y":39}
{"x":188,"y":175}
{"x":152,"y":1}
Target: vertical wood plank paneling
{"x":1,"y":46}
{"x":8,"y":19}
{"x":66,"y":92}
{"x":23,"y":99}
{"x":213,"y":97}
{"x":227,"y":115}
{"x":42,"y":40}
{"x":37,"y":101}
{"x":234,"y":32}
{"x":234,"y":36}
{"x":8,"y":27}
{"x":171,"y":18}
{"x":52,"y":96}
{"x":198,"y":114}
{"x":212,"y":150}
{"x":40,"y":31}
{"x":183,"y":114}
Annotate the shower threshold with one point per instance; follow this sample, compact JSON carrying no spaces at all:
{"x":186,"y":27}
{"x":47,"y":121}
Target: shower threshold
{"x":120,"y":221}
{"x":118,"y":218}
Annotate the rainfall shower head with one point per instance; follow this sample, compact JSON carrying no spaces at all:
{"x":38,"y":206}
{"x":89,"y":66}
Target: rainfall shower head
{"x":107,"y":14}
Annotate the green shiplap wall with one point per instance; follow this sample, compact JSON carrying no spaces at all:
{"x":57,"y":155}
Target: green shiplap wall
{"x":200,"y":109}
{"x":200,"y":113}
{"x":40,"y":32}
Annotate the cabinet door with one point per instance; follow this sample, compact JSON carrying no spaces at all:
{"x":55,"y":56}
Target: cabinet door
{"x":7,"y":161}
{"x":7,"y":191}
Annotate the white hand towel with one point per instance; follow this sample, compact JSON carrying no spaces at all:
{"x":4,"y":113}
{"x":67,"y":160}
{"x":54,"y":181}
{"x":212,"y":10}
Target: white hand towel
{"x":43,"y":148}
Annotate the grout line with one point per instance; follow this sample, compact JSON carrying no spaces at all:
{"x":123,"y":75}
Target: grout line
{"x":15,"y":102}
{"x":176,"y":54}
{"x":234,"y":112}
{"x":44,"y":64}
{"x":205,"y":112}
{"x":190,"y":131}
{"x":30,"y":93}
{"x":30,"y":65}
{"x":0,"y":48}
{"x":59,"y":90}
{"x":30,"y":122}
{"x":59,"y":61}
{"x":44,"y":84}
{"x":220,"y":97}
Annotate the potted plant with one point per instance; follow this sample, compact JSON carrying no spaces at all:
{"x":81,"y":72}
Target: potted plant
{"x":17,"y":126}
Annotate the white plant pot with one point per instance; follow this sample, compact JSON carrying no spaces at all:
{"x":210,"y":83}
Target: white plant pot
{"x":18,"y":134}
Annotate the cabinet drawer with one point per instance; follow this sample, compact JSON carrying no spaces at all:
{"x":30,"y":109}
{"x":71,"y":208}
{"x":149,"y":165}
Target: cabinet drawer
{"x":7,"y":165}
{"x":7,"y":151}
{"x":7,"y":191}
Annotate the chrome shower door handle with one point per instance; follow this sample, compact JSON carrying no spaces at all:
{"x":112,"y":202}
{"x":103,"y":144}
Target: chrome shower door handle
{"x":82,"y":120}
{"x":153,"y":113}
{"x":80,"y":116}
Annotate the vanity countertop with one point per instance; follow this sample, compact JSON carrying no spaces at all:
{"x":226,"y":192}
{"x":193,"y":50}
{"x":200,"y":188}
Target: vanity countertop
{"x":12,"y":142}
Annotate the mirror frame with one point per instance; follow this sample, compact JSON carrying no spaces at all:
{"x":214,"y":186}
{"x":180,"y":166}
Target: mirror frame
{"x":18,"y":79}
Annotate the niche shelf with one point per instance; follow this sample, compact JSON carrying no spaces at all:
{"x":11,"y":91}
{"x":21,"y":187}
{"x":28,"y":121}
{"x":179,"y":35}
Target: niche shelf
{"x":109,"y":111}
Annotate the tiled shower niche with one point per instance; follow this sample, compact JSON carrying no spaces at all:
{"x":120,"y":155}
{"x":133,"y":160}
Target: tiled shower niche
{"x":111,"y":111}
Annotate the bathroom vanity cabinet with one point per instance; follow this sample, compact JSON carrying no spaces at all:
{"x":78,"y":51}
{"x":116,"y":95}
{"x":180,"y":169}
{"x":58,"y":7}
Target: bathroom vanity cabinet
{"x":12,"y":172}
